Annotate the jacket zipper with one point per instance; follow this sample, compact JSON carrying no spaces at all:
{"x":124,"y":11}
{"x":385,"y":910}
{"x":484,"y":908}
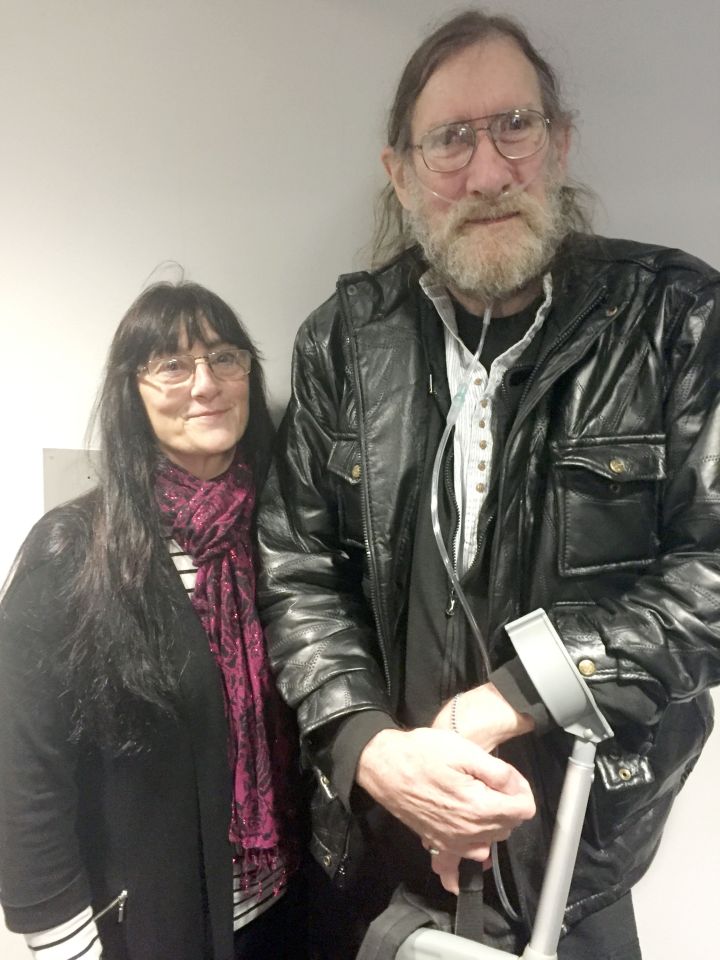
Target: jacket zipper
{"x":560,"y":340}
{"x":450,"y":491}
{"x":118,"y":902}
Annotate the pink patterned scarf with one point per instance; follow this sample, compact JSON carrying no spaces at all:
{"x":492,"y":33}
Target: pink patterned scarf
{"x":210,"y":520}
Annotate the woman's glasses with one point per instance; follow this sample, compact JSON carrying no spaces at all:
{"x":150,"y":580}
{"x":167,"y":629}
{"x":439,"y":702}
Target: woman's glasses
{"x":228,"y":363}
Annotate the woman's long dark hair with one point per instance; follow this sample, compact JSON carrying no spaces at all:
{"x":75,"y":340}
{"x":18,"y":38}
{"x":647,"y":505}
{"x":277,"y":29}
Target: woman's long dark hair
{"x":116,"y":663}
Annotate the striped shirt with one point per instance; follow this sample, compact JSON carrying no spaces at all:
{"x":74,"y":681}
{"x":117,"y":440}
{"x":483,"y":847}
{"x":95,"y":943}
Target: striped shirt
{"x":76,"y":938}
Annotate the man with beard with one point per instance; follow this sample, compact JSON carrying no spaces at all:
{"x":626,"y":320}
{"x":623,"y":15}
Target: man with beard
{"x":581,"y":478}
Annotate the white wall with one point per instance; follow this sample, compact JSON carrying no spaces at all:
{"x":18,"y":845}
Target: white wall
{"x":240,"y":137}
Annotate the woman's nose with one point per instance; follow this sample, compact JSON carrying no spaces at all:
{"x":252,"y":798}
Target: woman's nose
{"x":204,"y":382}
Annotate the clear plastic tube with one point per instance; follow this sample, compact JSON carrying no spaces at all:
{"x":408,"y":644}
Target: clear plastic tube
{"x":523,"y":178}
{"x":456,"y":406}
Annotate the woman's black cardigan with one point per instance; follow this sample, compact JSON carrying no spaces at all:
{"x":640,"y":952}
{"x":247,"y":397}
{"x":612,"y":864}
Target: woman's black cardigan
{"x":80,"y":825}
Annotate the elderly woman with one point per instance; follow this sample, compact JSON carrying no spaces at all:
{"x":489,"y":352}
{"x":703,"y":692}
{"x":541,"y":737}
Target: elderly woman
{"x":147,"y":806}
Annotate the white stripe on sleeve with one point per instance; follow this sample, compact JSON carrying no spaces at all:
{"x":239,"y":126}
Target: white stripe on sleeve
{"x":76,"y":939}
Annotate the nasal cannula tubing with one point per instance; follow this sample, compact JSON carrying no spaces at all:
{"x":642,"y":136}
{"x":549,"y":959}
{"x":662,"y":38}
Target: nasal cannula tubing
{"x":455,"y":407}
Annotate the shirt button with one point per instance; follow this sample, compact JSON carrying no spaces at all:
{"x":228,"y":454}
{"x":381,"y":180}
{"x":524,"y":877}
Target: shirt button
{"x":483,"y":403}
{"x":480,"y":487}
{"x":481,"y":466}
{"x":482,"y":424}
{"x":483,"y":444}
{"x":478,"y":381}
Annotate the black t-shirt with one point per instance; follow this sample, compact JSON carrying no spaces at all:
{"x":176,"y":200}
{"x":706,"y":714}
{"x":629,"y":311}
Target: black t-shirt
{"x":502,"y":332}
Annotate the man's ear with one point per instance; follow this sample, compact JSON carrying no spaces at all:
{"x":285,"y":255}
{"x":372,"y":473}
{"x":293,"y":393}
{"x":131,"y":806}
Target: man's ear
{"x":562,"y":140}
{"x":395,"y":165}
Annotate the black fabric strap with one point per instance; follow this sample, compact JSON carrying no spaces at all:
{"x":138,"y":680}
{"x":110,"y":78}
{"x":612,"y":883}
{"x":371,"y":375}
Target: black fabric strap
{"x":469,"y":914}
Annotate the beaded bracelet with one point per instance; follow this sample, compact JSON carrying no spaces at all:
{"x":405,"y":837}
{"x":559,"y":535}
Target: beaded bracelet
{"x":453,"y":713}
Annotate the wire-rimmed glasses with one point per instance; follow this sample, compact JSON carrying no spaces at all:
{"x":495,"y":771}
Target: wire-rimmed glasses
{"x":515,"y":134}
{"x":227,"y":363}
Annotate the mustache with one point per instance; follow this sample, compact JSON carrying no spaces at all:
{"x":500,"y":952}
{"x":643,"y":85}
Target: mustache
{"x":479,"y":208}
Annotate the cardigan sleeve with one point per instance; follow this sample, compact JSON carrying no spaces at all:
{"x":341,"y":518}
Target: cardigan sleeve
{"x":42,"y":878}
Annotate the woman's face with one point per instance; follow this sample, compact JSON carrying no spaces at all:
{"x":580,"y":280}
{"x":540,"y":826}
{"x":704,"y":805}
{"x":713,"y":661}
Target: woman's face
{"x":198,"y":423}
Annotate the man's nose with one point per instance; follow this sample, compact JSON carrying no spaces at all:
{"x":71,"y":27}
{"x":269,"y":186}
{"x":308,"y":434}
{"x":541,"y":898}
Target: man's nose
{"x":489,"y":173}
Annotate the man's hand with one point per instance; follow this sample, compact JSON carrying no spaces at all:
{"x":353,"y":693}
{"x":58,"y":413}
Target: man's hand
{"x":457,"y":797}
{"x":484,"y":716}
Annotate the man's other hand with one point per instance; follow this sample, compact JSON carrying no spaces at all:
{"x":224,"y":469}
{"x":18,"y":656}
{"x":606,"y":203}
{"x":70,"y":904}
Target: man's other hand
{"x":484,"y":716}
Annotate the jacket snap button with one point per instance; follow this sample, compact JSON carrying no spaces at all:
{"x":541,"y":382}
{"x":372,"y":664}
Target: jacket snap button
{"x":356,"y":472}
{"x":611,"y":311}
{"x":327,"y":860}
{"x":324,"y":780}
{"x":587,"y":668}
{"x":352,"y":289}
{"x":624,"y":773}
{"x":616,"y":465}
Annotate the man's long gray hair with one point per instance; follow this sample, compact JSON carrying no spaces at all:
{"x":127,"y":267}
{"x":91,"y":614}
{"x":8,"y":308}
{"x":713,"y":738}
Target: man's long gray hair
{"x":392,"y":235}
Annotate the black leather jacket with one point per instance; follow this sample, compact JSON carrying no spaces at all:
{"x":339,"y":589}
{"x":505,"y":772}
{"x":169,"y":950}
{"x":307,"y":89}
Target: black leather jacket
{"x":609,"y":497}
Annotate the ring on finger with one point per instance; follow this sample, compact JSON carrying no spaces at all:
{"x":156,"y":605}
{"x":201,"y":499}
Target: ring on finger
{"x":433,"y":851}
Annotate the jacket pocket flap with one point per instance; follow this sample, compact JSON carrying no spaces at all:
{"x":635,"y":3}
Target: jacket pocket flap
{"x":344,"y":460}
{"x":621,"y":771}
{"x":621,"y":461}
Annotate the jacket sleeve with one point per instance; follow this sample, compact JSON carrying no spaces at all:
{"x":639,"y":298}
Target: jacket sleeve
{"x":319,"y":626}
{"x":42,"y":877}
{"x":663,"y":634}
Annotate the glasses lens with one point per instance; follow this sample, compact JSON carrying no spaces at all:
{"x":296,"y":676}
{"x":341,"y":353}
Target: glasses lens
{"x":448,"y":148}
{"x":172,"y":370}
{"x":230,"y":364}
{"x":519,"y":133}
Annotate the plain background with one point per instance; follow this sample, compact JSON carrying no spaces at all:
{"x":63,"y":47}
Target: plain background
{"x":240,"y":138}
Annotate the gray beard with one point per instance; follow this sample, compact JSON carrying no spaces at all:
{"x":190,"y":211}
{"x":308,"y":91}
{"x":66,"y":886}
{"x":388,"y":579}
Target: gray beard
{"x":497,"y":267}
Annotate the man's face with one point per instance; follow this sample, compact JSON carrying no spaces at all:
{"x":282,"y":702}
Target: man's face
{"x":490,"y":228}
